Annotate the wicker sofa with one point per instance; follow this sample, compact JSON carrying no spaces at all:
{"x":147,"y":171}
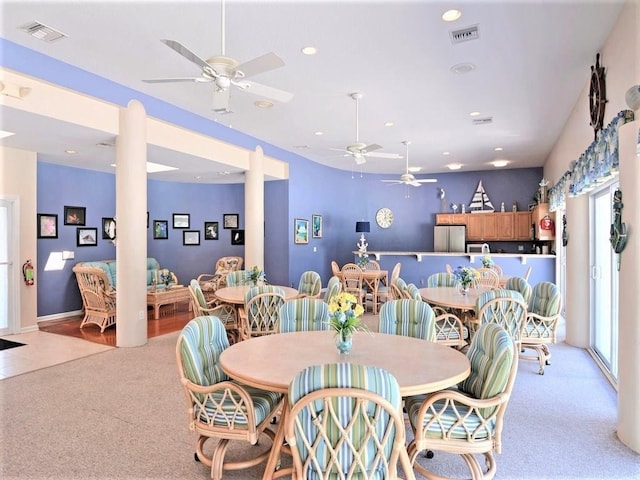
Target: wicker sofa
{"x":97,"y":284}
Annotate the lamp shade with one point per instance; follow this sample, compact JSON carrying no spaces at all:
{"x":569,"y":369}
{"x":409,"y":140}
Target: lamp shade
{"x":362,"y":227}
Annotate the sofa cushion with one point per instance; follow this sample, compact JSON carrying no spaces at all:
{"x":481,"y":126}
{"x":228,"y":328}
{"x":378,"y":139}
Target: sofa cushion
{"x":109,"y":267}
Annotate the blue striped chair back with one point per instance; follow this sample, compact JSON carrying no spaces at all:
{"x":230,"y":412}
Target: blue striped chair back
{"x":304,"y":314}
{"x":310,"y":284}
{"x":237,"y":278}
{"x":442,"y":279}
{"x":345,"y":422}
{"x":334,"y":287}
{"x":412,"y":292}
{"x":507,"y":308}
{"x":545,"y":299}
{"x":201,"y":343}
{"x":262,"y":310}
{"x":411,"y":318}
{"x":519,"y":284}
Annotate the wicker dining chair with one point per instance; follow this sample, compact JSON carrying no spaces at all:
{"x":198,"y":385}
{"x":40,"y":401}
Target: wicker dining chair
{"x":304,"y":314}
{"x":519,"y":284}
{"x":334,"y":287}
{"x":310,"y":284}
{"x":218,"y":407}
{"x":411,"y":318}
{"x":442,"y":279}
{"x":224,"y":311}
{"x":352,"y":281}
{"x":468,"y":420}
{"x":261,"y":312}
{"x":346,"y":423}
{"x":507,"y":308}
{"x":488,"y":278}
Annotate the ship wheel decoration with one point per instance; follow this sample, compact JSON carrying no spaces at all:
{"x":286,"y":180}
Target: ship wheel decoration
{"x":565,"y":232}
{"x":618,"y":232}
{"x":597,"y":96}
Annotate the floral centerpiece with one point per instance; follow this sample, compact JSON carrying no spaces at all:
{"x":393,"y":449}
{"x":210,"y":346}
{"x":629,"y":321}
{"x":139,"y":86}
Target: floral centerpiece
{"x":465,"y":276}
{"x":487,"y":261}
{"x":256,"y":275}
{"x":345,"y":312}
{"x":166,"y":277}
{"x":363,"y":259}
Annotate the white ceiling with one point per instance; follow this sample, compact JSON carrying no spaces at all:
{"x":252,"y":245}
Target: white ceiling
{"x":532,"y":60}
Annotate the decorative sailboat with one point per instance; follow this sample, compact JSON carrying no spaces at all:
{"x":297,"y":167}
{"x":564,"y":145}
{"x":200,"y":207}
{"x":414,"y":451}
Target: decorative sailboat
{"x":480,"y":202}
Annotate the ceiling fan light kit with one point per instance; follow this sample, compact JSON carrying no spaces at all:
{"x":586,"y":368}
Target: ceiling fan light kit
{"x":408,"y":178}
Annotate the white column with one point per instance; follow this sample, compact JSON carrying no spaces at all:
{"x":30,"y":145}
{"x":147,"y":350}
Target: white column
{"x":254,"y":211}
{"x":578,"y":272}
{"x":131,"y":226}
{"x":628,"y":298}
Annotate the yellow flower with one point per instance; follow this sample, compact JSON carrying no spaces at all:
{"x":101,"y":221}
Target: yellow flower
{"x":344,"y":311}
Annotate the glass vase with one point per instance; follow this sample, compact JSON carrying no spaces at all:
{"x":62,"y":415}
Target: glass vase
{"x":344,"y":343}
{"x":464,"y":290}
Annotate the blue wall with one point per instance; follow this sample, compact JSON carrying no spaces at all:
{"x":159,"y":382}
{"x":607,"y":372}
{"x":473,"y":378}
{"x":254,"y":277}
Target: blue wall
{"x":341,"y":199}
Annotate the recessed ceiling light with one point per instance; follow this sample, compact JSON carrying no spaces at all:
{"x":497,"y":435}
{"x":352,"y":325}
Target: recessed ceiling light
{"x":389,"y":124}
{"x":71,"y":151}
{"x":474,"y":114}
{"x":500,"y":163}
{"x":454,"y":166}
{"x":4,"y":134}
{"x":451,"y":15}
{"x":498,"y":149}
{"x":318,"y":133}
{"x":462,"y":68}
{"x":446,"y":153}
{"x":301,"y":147}
{"x":263,"y":104}
{"x":155,"y":167}
{"x":309,"y":50}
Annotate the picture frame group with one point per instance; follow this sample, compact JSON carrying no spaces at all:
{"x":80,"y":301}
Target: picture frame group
{"x":75,"y":215}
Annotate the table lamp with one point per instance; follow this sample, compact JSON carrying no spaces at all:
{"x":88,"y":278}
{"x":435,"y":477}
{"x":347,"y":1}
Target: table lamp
{"x":362,"y":228}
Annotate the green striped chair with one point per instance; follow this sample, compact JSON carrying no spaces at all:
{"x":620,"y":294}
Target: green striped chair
{"x":334,"y":287}
{"x":225,"y":312}
{"x":507,"y":308}
{"x":443,"y":279}
{"x":519,"y":284}
{"x":541,"y":323}
{"x":412,"y":292}
{"x":261,"y":312}
{"x":411,"y":318}
{"x":346,"y":423}
{"x":237,"y":278}
{"x":398,"y":286}
{"x":468,"y":420}
{"x":310,"y":284}
{"x":218,"y":407}
{"x":304,"y":314}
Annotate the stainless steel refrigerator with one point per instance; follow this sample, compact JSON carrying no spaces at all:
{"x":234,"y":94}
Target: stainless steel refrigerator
{"x":449,"y":238}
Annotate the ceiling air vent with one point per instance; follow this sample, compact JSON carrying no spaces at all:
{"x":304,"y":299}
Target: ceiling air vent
{"x":482,"y":121}
{"x":42,"y":32}
{"x":465,"y":34}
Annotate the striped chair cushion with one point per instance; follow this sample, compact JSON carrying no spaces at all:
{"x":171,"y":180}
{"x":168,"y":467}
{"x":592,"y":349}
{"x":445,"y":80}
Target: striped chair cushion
{"x":414,"y":292}
{"x":411,"y":318}
{"x":237,"y":277}
{"x":519,"y":284}
{"x":195,"y":286}
{"x":443,"y":279}
{"x":310,"y":284}
{"x":333,"y":288}
{"x":545,"y":299}
{"x":506,"y":314}
{"x":304,"y":314}
{"x":202,"y":341}
{"x":340,"y":375}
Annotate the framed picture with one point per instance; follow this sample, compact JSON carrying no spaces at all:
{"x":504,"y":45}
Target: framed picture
{"x":237,"y":237}
{"x":181,"y":220}
{"x":160,"y":229}
{"x":108,"y":224}
{"x":300,"y":230}
{"x":230,"y":220}
{"x":191,"y":237}
{"x":316,"y":226}
{"x":47,"y":225}
{"x":74,"y":215}
{"x":211,"y":230}
{"x":86,"y":237}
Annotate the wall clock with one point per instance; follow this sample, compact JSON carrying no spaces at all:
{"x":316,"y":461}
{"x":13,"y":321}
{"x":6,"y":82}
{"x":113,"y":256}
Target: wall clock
{"x":597,"y":96}
{"x":384,"y":217}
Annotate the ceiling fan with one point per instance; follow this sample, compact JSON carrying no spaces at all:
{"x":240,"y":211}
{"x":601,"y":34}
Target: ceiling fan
{"x":407,"y":178}
{"x":358,"y":150}
{"x":224,"y":72}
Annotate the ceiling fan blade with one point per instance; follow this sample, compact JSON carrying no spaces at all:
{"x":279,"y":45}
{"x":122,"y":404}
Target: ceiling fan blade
{"x":178,"y":79}
{"x":339,"y":150}
{"x":393,"y":182}
{"x":264,"y":63}
{"x":427,"y":180}
{"x":186,"y":53}
{"x":266,"y":91}
{"x":221,"y":100}
{"x":414,"y":184}
{"x":383,"y":155}
{"x":372,"y":147}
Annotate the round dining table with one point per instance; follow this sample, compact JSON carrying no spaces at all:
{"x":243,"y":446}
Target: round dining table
{"x":450,"y":297}
{"x":235,"y":295}
{"x":271,"y":362}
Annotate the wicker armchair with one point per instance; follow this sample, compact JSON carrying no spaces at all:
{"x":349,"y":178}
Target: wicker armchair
{"x":98,"y":297}
{"x":225,"y":312}
{"x":210,"y":282}
{"x":310,"y":284}
{"x":468,"y":421}
{"x":261,"y":312}
{"x":411,"y":318}
{"x":304,"y":314}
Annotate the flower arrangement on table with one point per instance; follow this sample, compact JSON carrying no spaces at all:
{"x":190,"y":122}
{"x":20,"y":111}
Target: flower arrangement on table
{"x":465,"y":276}
{"x":344,"y":317}
{"x":487,"y":261}
{"x":256,"y":275}
{"x":166,"y":277}
{"x":363,"y":259}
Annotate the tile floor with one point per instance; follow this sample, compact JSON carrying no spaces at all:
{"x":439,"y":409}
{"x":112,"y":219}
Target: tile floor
{"x":43,"y":350}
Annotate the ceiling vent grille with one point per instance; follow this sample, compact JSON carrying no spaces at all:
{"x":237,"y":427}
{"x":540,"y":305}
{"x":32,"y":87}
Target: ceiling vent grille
{"x":482,"y":121}
{"x":465,"y":34}
{"x":42,"y":32}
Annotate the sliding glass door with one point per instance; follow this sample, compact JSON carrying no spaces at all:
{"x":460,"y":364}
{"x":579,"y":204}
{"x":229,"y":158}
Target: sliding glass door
{"x":604,"y":281}
{"x":6,"y":267}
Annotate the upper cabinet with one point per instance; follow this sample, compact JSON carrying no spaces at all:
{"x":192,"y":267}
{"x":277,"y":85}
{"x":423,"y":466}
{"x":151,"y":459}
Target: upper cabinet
{"x":503,"y":226}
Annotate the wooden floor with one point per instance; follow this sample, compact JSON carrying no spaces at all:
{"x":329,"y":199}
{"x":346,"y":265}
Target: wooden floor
{"x":170,"y":321}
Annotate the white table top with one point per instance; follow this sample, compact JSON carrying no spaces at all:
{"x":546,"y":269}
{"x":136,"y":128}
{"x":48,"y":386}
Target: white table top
{"x":236,"y":294}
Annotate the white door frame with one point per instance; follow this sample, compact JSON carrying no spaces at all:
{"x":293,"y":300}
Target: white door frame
{"x":12,"y":232}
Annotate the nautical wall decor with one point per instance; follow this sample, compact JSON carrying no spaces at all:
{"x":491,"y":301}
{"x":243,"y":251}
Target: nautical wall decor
{"x":480,"y":202}
{"x":618,"y":232}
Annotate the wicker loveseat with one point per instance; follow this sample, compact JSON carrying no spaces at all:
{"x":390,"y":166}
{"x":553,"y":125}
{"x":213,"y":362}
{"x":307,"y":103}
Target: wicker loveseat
{"x":97,"y":284}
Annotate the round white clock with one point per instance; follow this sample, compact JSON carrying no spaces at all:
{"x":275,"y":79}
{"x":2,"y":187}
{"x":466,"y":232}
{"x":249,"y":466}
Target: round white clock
{"x":384,"y":217}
